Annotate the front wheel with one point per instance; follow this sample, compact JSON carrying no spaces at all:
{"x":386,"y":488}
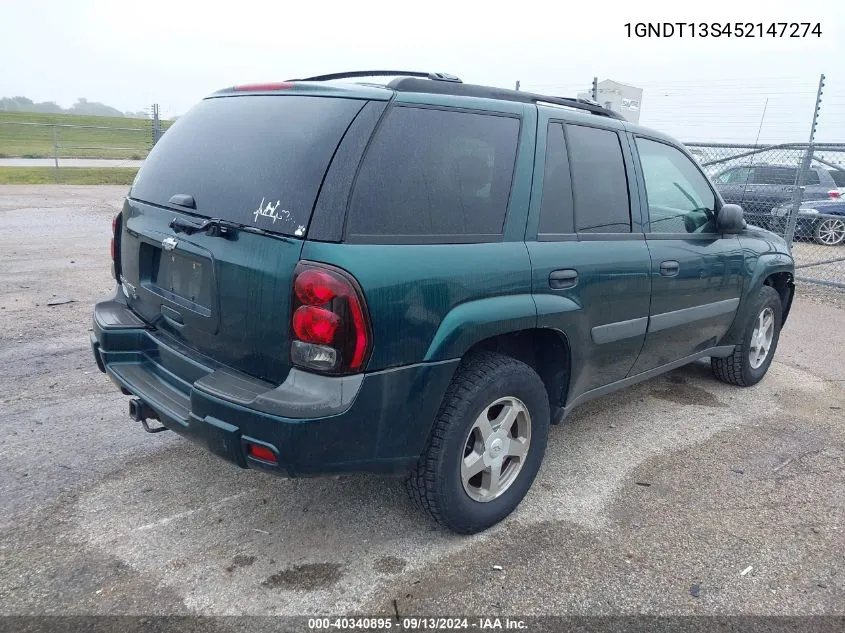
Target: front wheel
{"x":829,"y":232}
{"x":751,"y":359}
{"x":486,"y":445}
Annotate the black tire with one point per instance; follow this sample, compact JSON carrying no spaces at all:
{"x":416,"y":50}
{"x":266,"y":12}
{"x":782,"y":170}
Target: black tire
{"x":737,"y":369}
{"x":435,"y":485}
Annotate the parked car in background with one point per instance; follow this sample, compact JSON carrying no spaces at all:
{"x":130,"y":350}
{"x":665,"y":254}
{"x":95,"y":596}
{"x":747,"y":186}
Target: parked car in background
{"x":821,"y":220}
{"x":760,"y":188}
{"x":838,"y":176}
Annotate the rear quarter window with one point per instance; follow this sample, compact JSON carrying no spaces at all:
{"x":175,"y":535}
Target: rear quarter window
{"x":254,"y":160}
{"x":435,"y":175}
{"x":599,"y":180}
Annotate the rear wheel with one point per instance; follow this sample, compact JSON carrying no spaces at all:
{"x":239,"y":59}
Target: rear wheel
{"x":829,"y":231}
{"x":751,"y":359}
{"x":486,"y":446}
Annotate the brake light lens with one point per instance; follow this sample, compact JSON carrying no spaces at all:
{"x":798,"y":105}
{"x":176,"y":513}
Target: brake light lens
{"x":315,"y":325}
{"x":264,"y":87}
{"x":262,"y":452}
{"x":834,"y":194}
{"x":317,"y":287}
{"x":329,"y":323}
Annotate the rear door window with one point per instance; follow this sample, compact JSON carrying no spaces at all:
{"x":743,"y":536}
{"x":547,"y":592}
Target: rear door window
{"x":556,"y":204}
{"x":599,"y":180}
{"x":253,"y":160}
{"x":767,"y":175}
{"x":434,"y":175}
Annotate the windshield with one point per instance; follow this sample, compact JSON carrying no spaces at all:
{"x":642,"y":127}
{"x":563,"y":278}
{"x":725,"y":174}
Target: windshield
{"x":252,"y":160}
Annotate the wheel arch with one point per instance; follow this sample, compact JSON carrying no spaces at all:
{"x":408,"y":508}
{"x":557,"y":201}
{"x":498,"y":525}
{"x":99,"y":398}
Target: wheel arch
{"x":771,"y":269}
{"x":545,"y":350}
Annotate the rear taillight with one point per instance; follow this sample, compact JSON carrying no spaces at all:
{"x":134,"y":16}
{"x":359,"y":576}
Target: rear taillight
{"x":329,"y":321}
{"x":115,"y":246}
{"x":834,"y":194}
{"x":265,"y":87}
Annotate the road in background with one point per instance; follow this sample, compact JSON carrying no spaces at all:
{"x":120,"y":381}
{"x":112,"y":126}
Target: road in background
{"x":69,"y":162}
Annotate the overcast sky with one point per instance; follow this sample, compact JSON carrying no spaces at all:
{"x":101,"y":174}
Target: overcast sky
{"x":130,"y":55}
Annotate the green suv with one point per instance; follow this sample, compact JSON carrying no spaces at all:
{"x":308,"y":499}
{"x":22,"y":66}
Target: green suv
{"x":418,"y":278}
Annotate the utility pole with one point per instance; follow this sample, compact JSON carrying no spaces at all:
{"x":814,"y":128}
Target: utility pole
{"x":156,"y":125}
{"x":798,"y":193}
{"x":517,"y":85}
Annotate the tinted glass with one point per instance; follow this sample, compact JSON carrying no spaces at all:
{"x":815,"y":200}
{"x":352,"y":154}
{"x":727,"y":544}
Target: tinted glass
{"x":838,"y":177}
{"x":599,"y":182}
{"x":432,"y":172}
{"x":679,"y":198}
{"x":768,"y":175}
{"x":812,"y":178}
{"x":254,"y":160}
{"x":556,"y":206}
{"x":736,"y":175}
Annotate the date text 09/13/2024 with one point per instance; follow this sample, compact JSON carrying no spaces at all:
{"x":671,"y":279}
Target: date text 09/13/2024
{"x":407,"y":623}
{"x":723,"y":29}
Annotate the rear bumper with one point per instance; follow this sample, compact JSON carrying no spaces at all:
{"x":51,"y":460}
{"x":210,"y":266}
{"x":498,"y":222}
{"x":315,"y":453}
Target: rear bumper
{"x":377,"y":422}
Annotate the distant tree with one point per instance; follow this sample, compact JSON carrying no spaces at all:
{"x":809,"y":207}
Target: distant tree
{"x":47,"y":107}
{"x":83,"y":106}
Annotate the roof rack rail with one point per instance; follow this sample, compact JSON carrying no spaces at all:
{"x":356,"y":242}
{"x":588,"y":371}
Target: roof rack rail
{"x":581,"y":104}
{"x":383,"y":73}
{"x":415,"y":84}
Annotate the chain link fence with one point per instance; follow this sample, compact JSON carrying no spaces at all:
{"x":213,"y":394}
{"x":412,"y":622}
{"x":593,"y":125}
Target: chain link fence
{"x":804,"y":206}
{"x":751,"y":137}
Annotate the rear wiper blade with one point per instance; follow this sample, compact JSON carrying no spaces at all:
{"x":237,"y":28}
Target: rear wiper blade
{"x":213,"y":226}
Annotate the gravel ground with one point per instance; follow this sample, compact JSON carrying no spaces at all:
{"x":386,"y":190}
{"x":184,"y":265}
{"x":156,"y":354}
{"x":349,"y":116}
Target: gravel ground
{"x":653,"y":500}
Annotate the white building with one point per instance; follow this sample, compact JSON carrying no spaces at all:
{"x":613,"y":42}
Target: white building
{"x":622,"y":98}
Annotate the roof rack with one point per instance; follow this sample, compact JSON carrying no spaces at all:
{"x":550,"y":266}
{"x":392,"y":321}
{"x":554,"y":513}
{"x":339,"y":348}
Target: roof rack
{"x":415,"y":84}
{"x":383,"y":73}
{"x":444,"y":83}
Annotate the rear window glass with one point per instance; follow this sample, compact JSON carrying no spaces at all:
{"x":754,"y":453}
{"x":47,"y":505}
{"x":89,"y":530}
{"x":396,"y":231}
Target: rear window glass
{"x":433,"y":175}
{"x":254,"y":160}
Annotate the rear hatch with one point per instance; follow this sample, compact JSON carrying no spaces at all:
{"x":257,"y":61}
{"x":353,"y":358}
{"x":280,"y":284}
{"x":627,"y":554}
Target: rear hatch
{"x":254,"y":163}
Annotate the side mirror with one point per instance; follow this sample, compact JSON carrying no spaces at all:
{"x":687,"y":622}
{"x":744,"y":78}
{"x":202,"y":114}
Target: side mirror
{"x":694,"y":220}
{"x":730,"y":220}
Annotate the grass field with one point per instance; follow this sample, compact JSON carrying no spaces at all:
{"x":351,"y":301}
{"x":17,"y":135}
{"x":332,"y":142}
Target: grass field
{"x":30,"y":135}
{"x":67,"y":175}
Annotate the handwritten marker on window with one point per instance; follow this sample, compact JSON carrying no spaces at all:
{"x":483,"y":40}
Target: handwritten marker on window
{"x":746,"y":570}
